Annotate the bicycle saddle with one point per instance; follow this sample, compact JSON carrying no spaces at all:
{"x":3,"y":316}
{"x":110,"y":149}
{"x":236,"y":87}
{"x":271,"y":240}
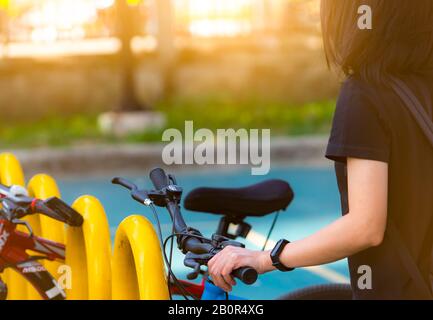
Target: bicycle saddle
{"x":254,"y":201}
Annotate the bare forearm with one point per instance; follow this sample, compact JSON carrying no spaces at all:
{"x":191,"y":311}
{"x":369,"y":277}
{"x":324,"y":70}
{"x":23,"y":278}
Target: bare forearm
{"x":363,"y":227}
{"x":339,"y":240}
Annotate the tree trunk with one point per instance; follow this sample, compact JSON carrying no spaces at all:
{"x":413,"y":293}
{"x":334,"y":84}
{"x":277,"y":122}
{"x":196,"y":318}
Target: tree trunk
{"x":4,"y":33}
{"x":166,"y":49}
{"x":126,"y":31}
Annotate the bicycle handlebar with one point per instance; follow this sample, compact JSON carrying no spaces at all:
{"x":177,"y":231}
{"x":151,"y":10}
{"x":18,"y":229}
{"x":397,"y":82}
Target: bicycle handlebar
{"x":58,"y":210}
{"x":192,"y":244}
{"x":124,"y":183}
{"x":38,"y":206}
{"x":18,"y":204}
{"x":168,"y":195}
{"x":159,"y":178}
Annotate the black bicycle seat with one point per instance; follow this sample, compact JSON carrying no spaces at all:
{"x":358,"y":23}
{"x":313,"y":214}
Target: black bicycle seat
{"x":254,"y":201}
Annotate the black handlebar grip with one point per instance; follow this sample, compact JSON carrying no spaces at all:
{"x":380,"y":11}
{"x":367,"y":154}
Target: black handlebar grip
{"x":39,"y":206}
{"x":124,"y":183}
{"x":64,"y":212}
{"x":247,"y":275}
{"x":159,"y":178}
{"x":76,"y":220}
{"x":59,"y":210}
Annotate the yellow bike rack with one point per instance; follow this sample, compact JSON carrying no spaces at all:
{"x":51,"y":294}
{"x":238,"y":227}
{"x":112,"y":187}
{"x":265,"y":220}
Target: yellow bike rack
{"x":88,"y":253}
{"x":137,"y":265}
{"x":133,"y":270}
{"x":43,"y":187}
{"x":11,"y":173}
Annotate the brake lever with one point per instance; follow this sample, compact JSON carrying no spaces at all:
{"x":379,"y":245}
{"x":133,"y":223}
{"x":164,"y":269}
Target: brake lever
{"x":172,"y":178}
{"x":195,"y":261}
{"x":194,"y":274}
{"x":220,"y":242}
{"x":24,"y":223}
{"x":11,"y":210}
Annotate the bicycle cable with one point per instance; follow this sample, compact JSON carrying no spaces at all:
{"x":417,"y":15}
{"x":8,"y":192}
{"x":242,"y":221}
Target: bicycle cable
{"x":274,"y":222}
{"x":155,"y":214}
{"x":185,"y":292}
{"x":171,"y":249}
{"x":178,"y":283}
{"x":158,"y":223}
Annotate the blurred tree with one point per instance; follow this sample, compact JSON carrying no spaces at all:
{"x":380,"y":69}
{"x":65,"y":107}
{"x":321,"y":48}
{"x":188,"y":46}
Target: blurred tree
{"x":166,"y":49}
{"x":4,"y":25}
{"x":303,"y":16}
{"x":127,"y":29}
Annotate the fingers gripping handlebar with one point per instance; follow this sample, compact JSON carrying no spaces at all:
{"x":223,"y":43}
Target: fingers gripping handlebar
{"x":198,"y":250}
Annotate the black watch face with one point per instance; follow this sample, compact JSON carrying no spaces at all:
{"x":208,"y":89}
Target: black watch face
{"x":277,"y":248}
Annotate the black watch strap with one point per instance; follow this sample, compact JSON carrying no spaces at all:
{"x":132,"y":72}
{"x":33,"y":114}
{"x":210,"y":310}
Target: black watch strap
{"x":275,"y":256}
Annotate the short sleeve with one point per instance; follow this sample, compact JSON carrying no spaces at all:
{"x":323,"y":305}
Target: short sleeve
{"x":357,"y":130}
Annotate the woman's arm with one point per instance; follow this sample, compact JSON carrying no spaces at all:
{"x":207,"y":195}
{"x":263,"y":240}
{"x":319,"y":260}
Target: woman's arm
{"x":363,"y":227}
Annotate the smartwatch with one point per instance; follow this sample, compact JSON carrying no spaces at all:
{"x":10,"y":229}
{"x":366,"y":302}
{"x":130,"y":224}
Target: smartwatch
{"x":275,"y":256}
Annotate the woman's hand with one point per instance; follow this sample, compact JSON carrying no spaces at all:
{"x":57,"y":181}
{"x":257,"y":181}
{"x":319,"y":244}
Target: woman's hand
{"x":231,"y":258}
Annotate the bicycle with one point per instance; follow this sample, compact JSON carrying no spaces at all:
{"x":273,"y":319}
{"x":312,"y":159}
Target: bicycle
{"x":234,"y":205}
{"x":15,"y":205}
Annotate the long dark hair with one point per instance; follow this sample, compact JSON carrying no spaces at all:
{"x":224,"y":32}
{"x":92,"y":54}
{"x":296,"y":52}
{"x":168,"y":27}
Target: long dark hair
{"x":400,"y":41}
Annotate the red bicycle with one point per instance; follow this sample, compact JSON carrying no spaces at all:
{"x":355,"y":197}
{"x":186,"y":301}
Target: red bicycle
{"x":15,"y":205}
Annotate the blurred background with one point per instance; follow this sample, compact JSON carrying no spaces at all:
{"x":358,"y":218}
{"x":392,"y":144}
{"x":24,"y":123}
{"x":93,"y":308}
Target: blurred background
{"x":221,"y":63}
{"x":66,"y":64}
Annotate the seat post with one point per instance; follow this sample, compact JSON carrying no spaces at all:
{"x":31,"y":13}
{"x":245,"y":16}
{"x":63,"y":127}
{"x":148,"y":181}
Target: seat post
{"x":242,"y":228}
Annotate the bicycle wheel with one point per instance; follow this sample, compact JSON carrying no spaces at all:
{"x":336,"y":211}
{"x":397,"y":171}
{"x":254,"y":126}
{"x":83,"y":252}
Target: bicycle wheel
{"x":321,"y":292}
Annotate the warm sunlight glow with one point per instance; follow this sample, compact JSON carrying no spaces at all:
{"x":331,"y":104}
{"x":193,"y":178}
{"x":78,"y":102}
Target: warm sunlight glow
{"x":59,"y":26}
{"x":213,"y":18}
{"x":50,"y":20}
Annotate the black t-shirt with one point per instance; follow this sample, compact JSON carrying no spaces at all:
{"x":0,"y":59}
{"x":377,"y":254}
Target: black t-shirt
{"x":375,"y":125}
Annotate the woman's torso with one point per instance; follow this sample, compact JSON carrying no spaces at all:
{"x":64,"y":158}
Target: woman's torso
{"x":410,"y":200}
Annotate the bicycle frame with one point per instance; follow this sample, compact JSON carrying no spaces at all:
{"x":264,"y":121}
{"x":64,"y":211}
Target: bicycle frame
{"x":14,"y":245}
{"x":212,"y":292}
{"x":204,"y":291}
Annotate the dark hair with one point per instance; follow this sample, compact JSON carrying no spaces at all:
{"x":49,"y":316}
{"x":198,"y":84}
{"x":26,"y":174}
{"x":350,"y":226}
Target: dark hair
{"x":400,"y":41}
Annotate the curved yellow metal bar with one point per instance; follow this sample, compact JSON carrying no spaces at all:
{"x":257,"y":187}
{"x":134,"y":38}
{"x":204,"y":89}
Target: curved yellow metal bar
{"x":43,"y":186}
{"x":137,"y":265}
{"x":11,"y":173}
{"x":88,"y":253}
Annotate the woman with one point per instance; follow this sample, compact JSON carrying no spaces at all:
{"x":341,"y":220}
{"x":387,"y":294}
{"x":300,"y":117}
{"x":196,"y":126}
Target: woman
{"x":383,"y":161}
